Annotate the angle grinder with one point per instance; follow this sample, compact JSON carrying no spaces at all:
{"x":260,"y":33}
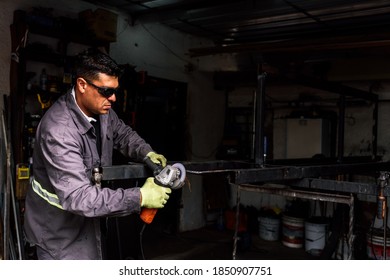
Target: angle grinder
{"x":171,"y":176}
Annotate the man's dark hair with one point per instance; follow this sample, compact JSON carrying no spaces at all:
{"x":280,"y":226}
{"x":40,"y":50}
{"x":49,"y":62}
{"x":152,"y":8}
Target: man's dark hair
{"x":92,"y":62}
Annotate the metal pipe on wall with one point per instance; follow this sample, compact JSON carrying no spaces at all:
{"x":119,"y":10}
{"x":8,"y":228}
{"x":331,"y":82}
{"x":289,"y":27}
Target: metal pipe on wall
{"x":375,"y":129}
{"x":340,"y":142}
{"x":259,"y":120}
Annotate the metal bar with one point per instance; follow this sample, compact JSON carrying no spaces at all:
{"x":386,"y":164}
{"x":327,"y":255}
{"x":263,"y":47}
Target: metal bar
{"x":375,"y":130}
{"x":297,"y":193}
{"x":382,"y":207}
{"x":351,"y":237}
{"x":284,"y":173}
{"x":235,"y":238}
{"x":6,"y":194}
{"x":266,"y":174}
{"x":220,"y":166}
{"x":385,"y":232}
{"x":342,"y":186}
{"x":259,"y":120}
{"x":338,"y":88}
{"x":121,"y":172}
{"x":3,"y":195}
{"x":138,"y":170}
{"x":340,"y":150}
{"x":344,"y":168}
{"x":17,"y":222}
{"x":306,"y":13}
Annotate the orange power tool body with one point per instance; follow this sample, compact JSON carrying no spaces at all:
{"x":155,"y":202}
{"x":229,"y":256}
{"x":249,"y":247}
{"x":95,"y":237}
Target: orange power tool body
{"x":171,"y":176}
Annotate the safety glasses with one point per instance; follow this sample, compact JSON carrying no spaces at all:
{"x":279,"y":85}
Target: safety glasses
{"x":105,"y":91}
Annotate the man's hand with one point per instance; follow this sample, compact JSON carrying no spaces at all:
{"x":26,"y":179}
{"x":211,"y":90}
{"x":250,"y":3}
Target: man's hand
{"x":152,"y":195}
{"x":157,"y":158}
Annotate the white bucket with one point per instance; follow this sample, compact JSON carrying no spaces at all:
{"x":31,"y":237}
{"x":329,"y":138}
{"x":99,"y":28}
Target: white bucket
{"x":375,"y":245}
{"x":315,"y":235}
{"x":269,"y":228}
{"x":292,"y":230}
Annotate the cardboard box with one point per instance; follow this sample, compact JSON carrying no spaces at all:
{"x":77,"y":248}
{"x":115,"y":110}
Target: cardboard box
{"x":102,"y":23}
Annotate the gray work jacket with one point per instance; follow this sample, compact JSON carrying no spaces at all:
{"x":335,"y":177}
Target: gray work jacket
{"x":63,"y":207}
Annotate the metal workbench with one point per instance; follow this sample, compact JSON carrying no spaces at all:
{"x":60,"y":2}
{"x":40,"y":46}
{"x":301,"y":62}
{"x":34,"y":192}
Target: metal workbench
{"x":322,"y":181}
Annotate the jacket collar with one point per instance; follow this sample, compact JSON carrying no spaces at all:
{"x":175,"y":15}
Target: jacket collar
{"x":81,"y":120}
{"x":78,"y":116}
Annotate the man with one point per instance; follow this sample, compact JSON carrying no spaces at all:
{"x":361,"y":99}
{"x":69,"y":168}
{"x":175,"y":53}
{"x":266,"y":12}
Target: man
{"x":77,"y":134}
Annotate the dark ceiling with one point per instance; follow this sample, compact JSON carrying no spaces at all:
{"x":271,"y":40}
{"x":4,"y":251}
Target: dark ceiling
{"x":269,"y":25}
{"x":314,"y":38}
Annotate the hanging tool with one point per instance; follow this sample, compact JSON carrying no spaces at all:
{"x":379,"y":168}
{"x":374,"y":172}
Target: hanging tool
{"x":45,"y":100}
{"x":171,"y":176}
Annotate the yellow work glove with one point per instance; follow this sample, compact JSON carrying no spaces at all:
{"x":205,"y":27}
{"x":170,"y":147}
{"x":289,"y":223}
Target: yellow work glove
{"x":157,"y":158}
{"x":152,"y":195}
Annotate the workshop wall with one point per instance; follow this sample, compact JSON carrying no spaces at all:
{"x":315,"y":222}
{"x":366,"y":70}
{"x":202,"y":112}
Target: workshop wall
{"x":382,"y":88}
{"x":162,"y":52}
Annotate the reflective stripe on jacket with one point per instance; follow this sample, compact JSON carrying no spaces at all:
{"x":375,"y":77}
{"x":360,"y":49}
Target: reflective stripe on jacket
{"x":51,"y":198}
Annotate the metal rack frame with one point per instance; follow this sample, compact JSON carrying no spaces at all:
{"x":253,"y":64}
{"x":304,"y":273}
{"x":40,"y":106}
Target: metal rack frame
{"x":317,"y":178}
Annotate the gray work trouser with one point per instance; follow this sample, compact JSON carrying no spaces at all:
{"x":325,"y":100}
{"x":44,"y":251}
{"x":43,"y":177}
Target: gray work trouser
{"x":42,"y":254}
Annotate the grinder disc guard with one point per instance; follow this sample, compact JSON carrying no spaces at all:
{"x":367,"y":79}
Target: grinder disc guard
{"x":179,"y":182}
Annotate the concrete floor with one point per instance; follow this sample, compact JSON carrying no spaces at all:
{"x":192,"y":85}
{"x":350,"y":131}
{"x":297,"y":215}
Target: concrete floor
{"x":130,"y":238}
{"x":208,"y":243}
{"x":211,"y":244}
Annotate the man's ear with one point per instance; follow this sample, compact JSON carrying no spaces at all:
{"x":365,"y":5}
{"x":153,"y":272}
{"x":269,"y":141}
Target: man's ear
{"x":81,"y":84}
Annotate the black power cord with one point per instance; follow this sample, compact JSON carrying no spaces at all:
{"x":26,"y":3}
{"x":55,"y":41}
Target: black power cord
{"x":140,"y":240}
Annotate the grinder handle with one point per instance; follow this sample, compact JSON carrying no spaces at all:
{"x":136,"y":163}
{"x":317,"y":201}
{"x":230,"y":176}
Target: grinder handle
{"x":156,"y":168}
{"x":147,"y":214}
